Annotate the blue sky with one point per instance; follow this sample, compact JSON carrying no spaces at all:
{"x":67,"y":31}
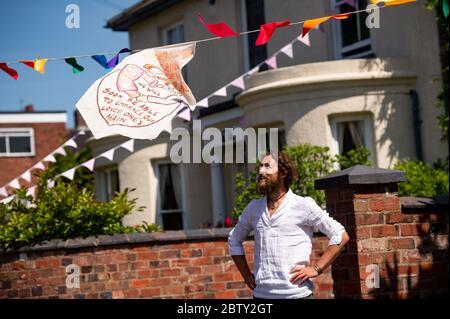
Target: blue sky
{"x":31,"y":28}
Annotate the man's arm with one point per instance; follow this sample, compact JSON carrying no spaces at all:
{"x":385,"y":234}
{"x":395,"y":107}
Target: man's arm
{"x":235,"y":239}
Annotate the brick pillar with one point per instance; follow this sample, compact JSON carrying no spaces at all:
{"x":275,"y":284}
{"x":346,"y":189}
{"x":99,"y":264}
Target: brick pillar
{"x":364,"y":200}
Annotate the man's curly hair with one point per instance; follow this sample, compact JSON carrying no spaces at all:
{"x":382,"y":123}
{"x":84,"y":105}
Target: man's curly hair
{"x":286,"y":167}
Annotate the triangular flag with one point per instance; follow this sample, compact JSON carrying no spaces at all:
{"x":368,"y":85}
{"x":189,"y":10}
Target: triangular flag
{"x":76,"y":68}
{"x":128,"y":145}
{"x":14,"y":184}
{"x":39,"y":65}
{"x":101,"y":59}
{"x":288,"y":50}
{"x":445,"y":8}
{"x":185,"y":114}
{"x":391,"y":2}
{"x":3,"y":192}
{"x":7,"y":200}
{"x":221,"y":92}
{"x":49,"y":158}
{"x":28,"y":63}
{"x":11,"y":72}
{"x":39,"y":165}
{"x":69,"y":174}
{"x":26,"y":176}
{"x":50,"y":183}
{"x":81,"y":132}
{"x":272,"y":62}
{"x":89,"y":164}
{"x":203,"y":103}
{"x":239,"y":82}
{"x":108,"y":154}
{"x":115,"y":59}
{"x":60,"y":150}
{"x":31,"y":191}
{"x":219,"y":29}
{"x":266,"y":31}
{"x":71,"y":143}
{"x":312,"y":23}
{"x":305,"y":39}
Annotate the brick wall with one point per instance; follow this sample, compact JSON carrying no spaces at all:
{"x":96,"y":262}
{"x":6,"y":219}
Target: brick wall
{"x":156,"y":265}
{"x":47,"y":137}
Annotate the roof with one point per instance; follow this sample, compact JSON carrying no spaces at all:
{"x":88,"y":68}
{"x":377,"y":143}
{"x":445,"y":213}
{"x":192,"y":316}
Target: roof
{"x":33,"y":117}
{"x":138,"y":12}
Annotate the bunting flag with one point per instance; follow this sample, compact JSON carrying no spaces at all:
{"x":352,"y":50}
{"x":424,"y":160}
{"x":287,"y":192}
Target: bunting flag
{"x":108,"y":154}
{"x":185,"y":114}
{"x":310,"y":24}
{"x":128,"y":145}
{"x":391,"y":2}
{"x":287,"y":50}
{"x":39,"y":166}
{"x":50,"y":184}
{"x":11,"y":72}
{"x":71,"y":143}
{"x":39,"y":65}
{"x":115,"y":59}
{"x":7,"y":200}
{"x":272,"y":62}
{"x":219,"y":29}
{"x":239,"y":83}
{"x":31,"y":191}
{"x":100,"y":59}
{"x":60,"y":150}
{"x":203,"y":103}
{"x":69,"y":174}
{"x":89,"y":164}
{"x":221,"y":92}
{"x":28,"y":63}
{"x":266,"y":31}
{"x":76,"y":68}
{"x":141,"y":95}
{"x":26,"y":176}
{"x":305,"y":39}
{"x":445,"y":7}
{"x":3,"y":192}
{"x":14,"y":184}
{"x":49,"y":158}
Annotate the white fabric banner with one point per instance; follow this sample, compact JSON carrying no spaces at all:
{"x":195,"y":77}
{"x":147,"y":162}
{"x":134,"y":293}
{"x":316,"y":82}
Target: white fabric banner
{"x":141,"y":95}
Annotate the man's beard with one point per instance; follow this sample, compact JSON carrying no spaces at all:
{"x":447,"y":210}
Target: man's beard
{"x":268,"y":187}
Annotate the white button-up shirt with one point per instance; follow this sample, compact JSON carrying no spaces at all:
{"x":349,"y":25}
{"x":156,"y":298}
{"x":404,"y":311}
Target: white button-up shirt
{"x":282,"y":242}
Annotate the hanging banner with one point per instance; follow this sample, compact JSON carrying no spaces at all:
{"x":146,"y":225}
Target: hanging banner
{"x":141,"y":95}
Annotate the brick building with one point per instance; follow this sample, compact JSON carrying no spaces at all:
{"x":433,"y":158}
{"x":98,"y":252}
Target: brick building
{"x":26,"y":137}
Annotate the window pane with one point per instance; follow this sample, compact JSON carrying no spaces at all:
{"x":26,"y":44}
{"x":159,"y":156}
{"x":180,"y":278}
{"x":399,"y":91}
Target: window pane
{"x":175,"y":35}
{"x":115,"y":186}
{"x":350,"y":136}
{"x":167,"y":191}
{"x":19,"y":144}
{"x":365,"y":32}
{"x":2,"y":145}
{"x":172,"y":221}
{"x":349,"y":27}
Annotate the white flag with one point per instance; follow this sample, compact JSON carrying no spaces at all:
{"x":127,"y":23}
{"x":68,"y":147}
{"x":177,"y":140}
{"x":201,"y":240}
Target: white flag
{"x":14,"y":184}
{"x":108,"y":154}
{"x":69,"y":174}
{"x":288,"y":50}
{"x":3,"y":191}
{"x":305,"y":40}
{"x":221,"y":92}
{"x":7,"y":200}
{"x":185,"y":115}
{"x":26,"y":176}
{"x":60,"y":150}
{"x":49,"y":158}
{"x":31,"y":191}
{"x":89,"y":164}
{"x":71,"y":143}
{"x":141,"y":95}
{"x":272,"y":62}
{"x":239,"y":82}
{"x":50,"y":183}
{"x":203,"y":103}
{"x":39,"y":165}
{"x":128,"y":145}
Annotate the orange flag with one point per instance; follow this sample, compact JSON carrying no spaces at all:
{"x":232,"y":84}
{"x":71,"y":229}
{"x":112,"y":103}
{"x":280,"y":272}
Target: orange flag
{"x":312,"y":23}
{"x":392,"y":2}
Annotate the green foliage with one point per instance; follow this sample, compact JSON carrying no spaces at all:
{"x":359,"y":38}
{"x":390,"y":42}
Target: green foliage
{"x":245,"y":192}
{"x":422,"y":179}
{"x":354,"y":157}
{"x":148,"y":228}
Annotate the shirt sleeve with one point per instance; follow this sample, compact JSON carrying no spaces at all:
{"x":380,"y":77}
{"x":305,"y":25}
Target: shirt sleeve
{"x":240,"y":233}
{"x":326,"y":224}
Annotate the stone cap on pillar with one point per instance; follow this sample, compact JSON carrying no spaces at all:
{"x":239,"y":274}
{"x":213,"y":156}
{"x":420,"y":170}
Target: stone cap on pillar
{"x":360,"y":175}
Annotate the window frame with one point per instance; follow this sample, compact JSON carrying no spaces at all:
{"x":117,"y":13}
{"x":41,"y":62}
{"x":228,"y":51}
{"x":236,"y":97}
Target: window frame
{"x":159,"y":211}
{"x":105,"y":187}
{"x":29,"y":131}
{"x":368,"y":131}
{"x":339,"y":49}
{"x":172,"y":26}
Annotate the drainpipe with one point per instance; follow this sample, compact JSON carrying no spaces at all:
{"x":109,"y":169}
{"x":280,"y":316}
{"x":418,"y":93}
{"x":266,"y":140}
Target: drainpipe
{"x":417,"y":124}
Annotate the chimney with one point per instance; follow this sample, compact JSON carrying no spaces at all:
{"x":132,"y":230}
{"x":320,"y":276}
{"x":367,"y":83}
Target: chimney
{"x":29,"y":108}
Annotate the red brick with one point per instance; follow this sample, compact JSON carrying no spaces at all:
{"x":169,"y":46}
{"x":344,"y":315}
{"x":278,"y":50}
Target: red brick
{"x":139,"y":283}
{"x":369,"y":219}
{"x":223,"y":277}
{"x":150,"y":292}
{"x":385,"y":204}
{"x":227,"y":294}
{"x":218,"y":251}
{"x":384,"y":231}
{"x":398,"y":217}
{"x":414,"y":229}
{"x":360,"y":205}
{"x":401,"y":243}
{"x":201,"y":261}
{"x":170,"y":254}
{"x":156,"y":282}
{"x":170,"y":272}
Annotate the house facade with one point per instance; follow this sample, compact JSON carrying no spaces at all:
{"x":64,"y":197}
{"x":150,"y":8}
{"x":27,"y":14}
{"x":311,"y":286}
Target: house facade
{"x":352,"y":86}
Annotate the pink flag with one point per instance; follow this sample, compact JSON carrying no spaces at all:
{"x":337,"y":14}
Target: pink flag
{"x":185,"y":114}
{"x":272,"y":62}
{"x":239,"y":82}
{"x":305,"y":39}
{"x":288,"y":50}
{"x":203,"y":103}
{"x":89,"y":164}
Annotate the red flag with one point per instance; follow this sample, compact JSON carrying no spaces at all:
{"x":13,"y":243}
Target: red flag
{"x":28,"y":63}
{"x":11,"y":72}
{"x":220,"y":29}
{"x":267,"y":30}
